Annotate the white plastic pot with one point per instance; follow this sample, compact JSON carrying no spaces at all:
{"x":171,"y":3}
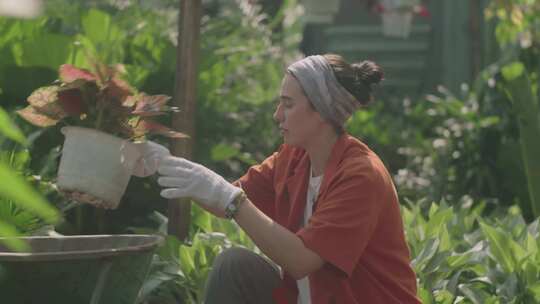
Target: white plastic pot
{"x":397,"y":23}
{"x":96,"y":164}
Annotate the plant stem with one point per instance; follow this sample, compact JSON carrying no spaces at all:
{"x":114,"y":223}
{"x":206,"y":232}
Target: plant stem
{"x":100,"y":114}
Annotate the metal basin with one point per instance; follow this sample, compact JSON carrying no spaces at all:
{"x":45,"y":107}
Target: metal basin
{"x":104,"y":269}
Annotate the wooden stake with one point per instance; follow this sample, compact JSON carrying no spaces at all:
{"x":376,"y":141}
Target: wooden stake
{"x":185,"y":98}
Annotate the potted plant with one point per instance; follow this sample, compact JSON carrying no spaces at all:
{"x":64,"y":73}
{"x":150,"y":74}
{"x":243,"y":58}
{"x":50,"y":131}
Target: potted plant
{"x":397,"y":16}
{"x":105,"y":123}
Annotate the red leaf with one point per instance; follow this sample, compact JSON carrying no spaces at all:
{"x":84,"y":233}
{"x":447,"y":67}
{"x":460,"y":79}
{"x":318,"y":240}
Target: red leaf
{"x":69,"y":73}
{"x":72,"y":102}
{"x":36,"y":118}
{"x":147,"y":126}
{"x":45,"y":101}
{"x":119,"y":89}
{"x":131,"y":100}
{"x":151,"y":105}
{"x":43,"y":96}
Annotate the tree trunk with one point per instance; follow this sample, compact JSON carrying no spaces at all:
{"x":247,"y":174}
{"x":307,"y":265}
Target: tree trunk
{"x":185,"y":98}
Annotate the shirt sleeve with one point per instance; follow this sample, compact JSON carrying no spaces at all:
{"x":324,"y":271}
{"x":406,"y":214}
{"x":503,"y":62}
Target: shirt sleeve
{"x":258,"y":184}
{"x":344,"y":220}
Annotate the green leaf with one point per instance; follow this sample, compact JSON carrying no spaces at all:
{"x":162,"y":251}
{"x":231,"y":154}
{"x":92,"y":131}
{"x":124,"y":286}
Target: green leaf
{"x":170,"y":248}
{"x":431,"y":247}
{"x":22,"y":220}
{"x":185,"y":256}
{"x":439,"y":217}
{"x":472,"y":294}
{"x":513,"y":70}
{"x":446,"y":242}
{"x":510,"y":287}
{"x":153,"y":283}
{"x":17,"y":160}
{"x":434,"y":264}
{"x":201,"y":218}
{"x":530,"y":272}
{"x":453,"y":282}
{"x":9,"y":129}
{"x":14,"y":187}
{"x":104,"y":35}
{"x":223,"y":152}
{"x":535,"y":290}
{"x":97,"y":25}
{"x":498,"y":244}
{"x":46,"y":50}
{"x":444,"y":297}
{"x":9,"y":234}
{"x":531,"y":245}
{"x":489,"y":121}
{"x":458,"y":260}
{"x":425,"y":296}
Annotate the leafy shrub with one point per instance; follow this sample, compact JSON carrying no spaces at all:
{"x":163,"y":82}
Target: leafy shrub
{"x":22,"y":208}
{"x":463,"y":257}
{"x":179,"y":271}
{"x":446,"y":146}
{"x":459,"y":254}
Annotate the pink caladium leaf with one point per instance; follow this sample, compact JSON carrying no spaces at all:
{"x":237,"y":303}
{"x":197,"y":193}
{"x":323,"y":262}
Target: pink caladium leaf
{"x":45,"y":101}
{"x":36,"y":118}
{"x":152,"y":127}
{"x":151,"y":105}
{"x":69,"y":73}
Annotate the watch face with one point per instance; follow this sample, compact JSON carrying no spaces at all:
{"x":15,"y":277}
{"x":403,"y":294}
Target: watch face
{"x":230,"y":210}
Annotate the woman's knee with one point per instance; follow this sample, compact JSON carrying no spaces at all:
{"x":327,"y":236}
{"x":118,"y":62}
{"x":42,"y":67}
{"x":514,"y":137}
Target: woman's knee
{"x":234,"y":258}
{"x":239,"y":262}
{"x":241,"y":276}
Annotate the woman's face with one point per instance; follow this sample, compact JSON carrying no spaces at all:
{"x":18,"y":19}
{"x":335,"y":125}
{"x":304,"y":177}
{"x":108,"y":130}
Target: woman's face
{"x":298,"y":121}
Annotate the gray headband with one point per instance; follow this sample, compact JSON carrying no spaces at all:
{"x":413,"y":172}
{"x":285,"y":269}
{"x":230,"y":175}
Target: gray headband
{"x":326,"y":94}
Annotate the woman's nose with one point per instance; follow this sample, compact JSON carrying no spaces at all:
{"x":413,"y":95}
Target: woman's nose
{"x":277,"y":113}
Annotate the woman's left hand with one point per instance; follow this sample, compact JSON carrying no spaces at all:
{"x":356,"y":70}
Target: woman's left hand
{"x":183,"y":178}
{"x":148,"y":163}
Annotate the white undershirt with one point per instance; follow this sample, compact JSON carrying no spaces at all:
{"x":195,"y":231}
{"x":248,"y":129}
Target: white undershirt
{"x":304,"y":296}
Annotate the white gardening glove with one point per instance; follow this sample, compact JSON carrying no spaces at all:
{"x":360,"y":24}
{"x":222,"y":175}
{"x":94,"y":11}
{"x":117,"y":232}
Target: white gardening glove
{"x":183,"y":178}
{"x":151,"y":154}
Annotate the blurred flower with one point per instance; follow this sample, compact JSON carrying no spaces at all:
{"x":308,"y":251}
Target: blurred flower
{"x":21,"y":8}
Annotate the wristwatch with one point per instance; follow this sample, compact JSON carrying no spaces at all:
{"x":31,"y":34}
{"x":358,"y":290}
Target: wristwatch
{"x":233,"y":207}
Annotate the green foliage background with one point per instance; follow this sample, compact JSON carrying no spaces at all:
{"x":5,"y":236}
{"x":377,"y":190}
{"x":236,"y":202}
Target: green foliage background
{"x":477,"y":244}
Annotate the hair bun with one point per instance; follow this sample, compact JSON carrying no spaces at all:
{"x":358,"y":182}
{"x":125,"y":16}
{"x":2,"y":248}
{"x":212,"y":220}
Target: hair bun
{"x":357,"y":78}
{"x":367,"y":72}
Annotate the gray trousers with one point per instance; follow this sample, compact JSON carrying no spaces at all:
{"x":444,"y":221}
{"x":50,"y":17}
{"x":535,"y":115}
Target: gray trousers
{"x":242,"y":277}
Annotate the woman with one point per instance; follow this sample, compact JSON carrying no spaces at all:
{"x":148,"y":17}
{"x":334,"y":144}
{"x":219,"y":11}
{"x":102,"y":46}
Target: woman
{"x":322,"y":208}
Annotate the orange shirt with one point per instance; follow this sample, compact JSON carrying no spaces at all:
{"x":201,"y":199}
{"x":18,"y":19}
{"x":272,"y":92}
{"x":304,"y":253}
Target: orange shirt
{"x":356,"y":225}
